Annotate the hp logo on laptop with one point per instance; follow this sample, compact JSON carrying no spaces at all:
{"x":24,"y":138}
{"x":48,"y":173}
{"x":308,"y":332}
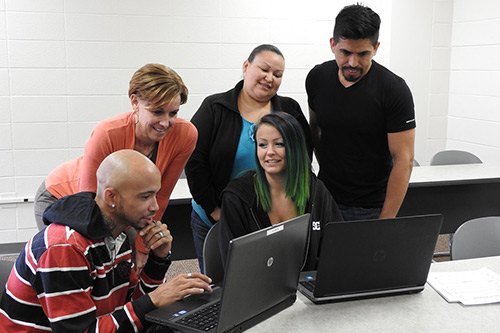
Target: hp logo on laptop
{"x":270,"y":261}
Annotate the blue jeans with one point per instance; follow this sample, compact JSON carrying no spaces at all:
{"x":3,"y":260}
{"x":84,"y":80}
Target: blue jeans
{"x":359,"y":213}
{"x":200,"y":230}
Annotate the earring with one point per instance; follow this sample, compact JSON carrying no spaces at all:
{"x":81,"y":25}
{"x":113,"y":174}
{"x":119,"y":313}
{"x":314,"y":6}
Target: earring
{"x":113,"y":205}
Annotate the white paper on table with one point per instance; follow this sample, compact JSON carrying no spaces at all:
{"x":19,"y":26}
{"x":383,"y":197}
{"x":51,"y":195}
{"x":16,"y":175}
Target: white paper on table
{"x":480,"y":286}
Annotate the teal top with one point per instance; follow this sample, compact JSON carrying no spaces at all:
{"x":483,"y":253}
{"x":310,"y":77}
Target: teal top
{"x":244,"y":160}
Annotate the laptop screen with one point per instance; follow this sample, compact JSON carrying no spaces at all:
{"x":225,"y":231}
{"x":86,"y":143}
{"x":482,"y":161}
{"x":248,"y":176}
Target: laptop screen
{"x":262,"y":270}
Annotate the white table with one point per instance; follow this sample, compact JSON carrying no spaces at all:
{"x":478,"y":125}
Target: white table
{"x":454,"y":174}
{"x":459,"y":192}
{"x":421,"y":176}
{"x":181,"y":193}
{"x":423,"y":312}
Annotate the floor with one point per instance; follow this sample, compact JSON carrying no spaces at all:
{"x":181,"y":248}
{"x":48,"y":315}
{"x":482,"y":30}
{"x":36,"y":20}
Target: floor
{"x":442,"y":246}
{"x":8,"y":252}
{"x":177,"y":218}
{"x":12,"y":249}
{"x":177,"y":267}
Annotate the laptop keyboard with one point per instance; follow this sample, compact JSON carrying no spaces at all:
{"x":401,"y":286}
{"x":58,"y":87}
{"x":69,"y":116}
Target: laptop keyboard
{"x":204,"y":319}
{"x":309,"y":284}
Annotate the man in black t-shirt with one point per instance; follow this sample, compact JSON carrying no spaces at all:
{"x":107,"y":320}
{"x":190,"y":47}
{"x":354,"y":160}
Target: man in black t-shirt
{"x":362,"y":120}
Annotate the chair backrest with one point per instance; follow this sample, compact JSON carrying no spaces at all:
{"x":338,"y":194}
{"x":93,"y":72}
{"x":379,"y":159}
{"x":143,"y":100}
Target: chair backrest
{"x":477,"y":238}
{"x":5,"y":268}
{"x":447,"y":157}
{"x":212,"y":261}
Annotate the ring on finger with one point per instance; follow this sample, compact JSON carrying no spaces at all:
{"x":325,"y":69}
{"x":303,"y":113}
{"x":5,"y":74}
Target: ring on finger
{"x":161,"y":234}
{"x":189,"y":275}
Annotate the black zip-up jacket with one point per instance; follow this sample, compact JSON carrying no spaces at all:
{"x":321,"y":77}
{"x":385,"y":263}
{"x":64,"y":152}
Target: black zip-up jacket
{"x":241,"y":215}
{"x":219,"y":125}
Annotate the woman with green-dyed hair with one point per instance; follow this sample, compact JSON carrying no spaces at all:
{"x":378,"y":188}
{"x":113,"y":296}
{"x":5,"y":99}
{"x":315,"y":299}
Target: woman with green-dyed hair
{"x":281,"y":188}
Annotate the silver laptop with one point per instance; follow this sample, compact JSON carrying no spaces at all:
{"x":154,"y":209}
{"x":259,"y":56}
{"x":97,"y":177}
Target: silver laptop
{"x":261,"y":278}
{"x":372,"y":258}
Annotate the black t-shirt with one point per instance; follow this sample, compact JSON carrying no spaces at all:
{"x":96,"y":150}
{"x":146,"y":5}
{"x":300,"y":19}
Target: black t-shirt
{"x":355,"y":159}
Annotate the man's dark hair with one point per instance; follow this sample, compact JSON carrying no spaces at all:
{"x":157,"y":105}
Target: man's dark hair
{"x":357,"y":22}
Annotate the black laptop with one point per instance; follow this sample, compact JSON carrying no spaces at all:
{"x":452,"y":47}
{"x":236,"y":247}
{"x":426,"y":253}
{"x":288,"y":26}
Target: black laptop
{"x":261,"y":278}
{"x":372,"y":258}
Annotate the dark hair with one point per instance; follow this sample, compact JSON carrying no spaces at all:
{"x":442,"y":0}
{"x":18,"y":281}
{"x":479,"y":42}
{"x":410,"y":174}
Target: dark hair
{"x":357,"y":22}
{"x":298,"y":164}
{"x":262,"y":48}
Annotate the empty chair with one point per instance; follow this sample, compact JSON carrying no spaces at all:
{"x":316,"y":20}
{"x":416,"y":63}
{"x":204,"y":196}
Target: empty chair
{"x":212,"y":261}
{"x":447,"y":157}
{"x":476,"y":238}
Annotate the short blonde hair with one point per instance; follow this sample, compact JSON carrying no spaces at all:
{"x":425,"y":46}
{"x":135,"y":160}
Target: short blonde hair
{"x":158,"y":85}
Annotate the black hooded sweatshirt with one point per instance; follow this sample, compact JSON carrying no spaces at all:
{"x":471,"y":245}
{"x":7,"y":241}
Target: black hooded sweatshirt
{"x":240,"y":214}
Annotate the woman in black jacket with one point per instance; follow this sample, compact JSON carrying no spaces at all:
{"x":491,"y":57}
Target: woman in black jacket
{"x":281,"y":188}
{"x":225,"y":123}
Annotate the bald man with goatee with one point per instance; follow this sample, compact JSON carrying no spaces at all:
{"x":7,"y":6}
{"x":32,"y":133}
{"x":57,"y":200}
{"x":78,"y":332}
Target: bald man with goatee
{"x":77,"y":274}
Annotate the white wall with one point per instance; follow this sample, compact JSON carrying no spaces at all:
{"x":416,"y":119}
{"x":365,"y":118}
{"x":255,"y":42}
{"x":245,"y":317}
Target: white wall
{"x":474,"y":104}
{"x":65,"y":65}
{"x":412,"y":23}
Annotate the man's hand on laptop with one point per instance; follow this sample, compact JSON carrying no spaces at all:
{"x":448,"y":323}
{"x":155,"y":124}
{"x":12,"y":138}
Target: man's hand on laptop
{"x":179,"y":287}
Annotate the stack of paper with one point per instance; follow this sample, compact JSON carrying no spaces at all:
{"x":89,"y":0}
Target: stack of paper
{"x":469,"y":287}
